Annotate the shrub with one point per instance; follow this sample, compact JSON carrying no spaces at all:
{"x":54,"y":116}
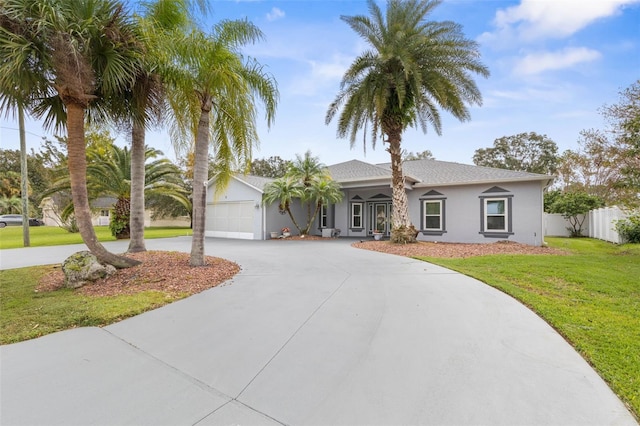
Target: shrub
{"x":574,"y":206}
{"x":629,"y":229}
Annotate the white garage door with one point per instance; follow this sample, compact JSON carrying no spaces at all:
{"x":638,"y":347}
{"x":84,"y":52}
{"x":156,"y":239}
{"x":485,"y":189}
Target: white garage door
{"x":231,"y":219}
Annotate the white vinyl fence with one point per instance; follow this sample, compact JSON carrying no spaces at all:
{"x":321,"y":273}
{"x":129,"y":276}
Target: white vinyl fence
{"x":602,"y":223}
{"x":557,"y":226}
{"x":599,"y":223}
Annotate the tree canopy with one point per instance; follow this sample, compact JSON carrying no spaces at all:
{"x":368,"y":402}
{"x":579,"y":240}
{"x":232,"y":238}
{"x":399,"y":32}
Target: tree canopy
{"x":272,"y":167}
{"x":423,"y":155}
{"x":607,"y":162}
{"x":526,"y":152}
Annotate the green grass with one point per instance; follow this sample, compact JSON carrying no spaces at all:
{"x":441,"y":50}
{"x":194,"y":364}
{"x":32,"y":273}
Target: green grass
{"x":11,"y":236}
{"x":27,"y":314}
{"x":592,"y":297}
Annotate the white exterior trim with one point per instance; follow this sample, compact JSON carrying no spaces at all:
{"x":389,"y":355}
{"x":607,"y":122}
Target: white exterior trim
{"x":225,"y":234}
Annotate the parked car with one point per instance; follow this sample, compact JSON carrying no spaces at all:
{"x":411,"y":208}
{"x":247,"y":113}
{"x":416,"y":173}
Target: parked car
{"x":16,"y":220}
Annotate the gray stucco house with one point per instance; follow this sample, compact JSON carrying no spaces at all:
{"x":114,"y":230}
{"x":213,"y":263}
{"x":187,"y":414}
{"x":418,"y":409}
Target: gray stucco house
{"x":448,"y":202}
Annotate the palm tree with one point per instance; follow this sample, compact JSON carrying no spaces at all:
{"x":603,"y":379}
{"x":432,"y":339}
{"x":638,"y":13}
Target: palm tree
{"x":71,"y":55}
{"x":109,"y":175}
{"x":283,"y":190}
{"x":413,"y":67}
{"x":308,"y":180}
{"x":146,"y":98}
{"x":314,"y":178}
{"x":112,"y":176}
{"x":212,"y":92}
{"x":10,"y":205}
{"x":323,"y":191}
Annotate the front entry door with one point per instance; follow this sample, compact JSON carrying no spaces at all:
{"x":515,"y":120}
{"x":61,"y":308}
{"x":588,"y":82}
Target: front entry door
{"x":379,"y":217}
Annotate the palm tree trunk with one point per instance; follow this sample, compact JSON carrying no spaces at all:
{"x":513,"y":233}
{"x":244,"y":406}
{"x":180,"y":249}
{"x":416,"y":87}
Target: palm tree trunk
{"x":78,"y":175}
{"x":312,"y":218}
{"x":400,"y":222}
{"x":200,"y":177}
{"x":136,"y":224}
{"x":293,"y":219}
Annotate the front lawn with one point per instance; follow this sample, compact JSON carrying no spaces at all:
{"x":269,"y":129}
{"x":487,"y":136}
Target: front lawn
{"x":591,"y":296}
{"x":31,"y":309}
{"x":27,"y":314}
{"x":11,"y":236}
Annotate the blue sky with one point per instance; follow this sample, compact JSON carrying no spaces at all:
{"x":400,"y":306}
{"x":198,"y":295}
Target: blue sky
{"x":553,"y":64}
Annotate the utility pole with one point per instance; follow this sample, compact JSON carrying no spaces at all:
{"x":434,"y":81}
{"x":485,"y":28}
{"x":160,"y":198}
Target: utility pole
{"x":24,"y":178}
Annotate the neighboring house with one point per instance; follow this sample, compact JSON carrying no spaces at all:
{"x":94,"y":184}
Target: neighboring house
{"x":448,"y":202}
{"x":101,"y":210}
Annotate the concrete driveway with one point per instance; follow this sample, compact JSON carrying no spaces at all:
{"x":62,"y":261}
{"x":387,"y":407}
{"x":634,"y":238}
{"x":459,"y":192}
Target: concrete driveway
{"x":310,"y":332}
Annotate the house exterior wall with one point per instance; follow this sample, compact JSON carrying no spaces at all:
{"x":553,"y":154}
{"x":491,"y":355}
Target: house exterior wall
{"x":463,"y":212}
{"x":463,"y":205}
{"x":342,"y":211}
{"x":276,"y":221}
{"x":240,"y":195}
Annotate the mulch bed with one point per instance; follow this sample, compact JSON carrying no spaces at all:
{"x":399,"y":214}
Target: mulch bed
{"x":164,"y":271}
{"x":454,"y":250}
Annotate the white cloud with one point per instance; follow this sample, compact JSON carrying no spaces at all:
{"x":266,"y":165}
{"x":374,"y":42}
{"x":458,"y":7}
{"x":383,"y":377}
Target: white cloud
{"x":539,"y":19}
{"x":321,"y":76}
{"x":536,"y":63}
{"x":275,"y":14}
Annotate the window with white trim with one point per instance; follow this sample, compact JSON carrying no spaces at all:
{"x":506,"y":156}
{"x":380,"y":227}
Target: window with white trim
{"x":324,"y":215}
{"x":104,"y":213}
{"x":357,"y":216}
{"x":496,"y":215}
{"x":432,"y":218}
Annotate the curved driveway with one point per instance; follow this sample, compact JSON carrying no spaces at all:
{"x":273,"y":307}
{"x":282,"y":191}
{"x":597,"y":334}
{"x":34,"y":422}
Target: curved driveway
{"x":310,"y":332}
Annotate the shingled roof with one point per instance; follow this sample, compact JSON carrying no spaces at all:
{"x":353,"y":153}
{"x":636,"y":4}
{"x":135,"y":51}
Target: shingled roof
{"x":418,"y":173}
{"x":357,"y":170}
{"x":435,"y":172}
{"x":429,"y":173}
{"x":257,"y":182}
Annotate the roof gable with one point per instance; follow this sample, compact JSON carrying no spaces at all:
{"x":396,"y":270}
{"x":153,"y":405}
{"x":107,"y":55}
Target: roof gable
{"x":256,"y":182}
{"x":357,"y":170}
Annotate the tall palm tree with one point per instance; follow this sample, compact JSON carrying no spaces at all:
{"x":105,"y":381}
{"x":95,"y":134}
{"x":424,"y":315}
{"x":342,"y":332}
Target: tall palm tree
{"x":145,"y":99}
{"x":72,"y":54}
{"x":213,"y":91}
{"x":413,"y":67}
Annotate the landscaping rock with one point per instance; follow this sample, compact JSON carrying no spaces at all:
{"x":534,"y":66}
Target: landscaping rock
{"x":82,"y":268}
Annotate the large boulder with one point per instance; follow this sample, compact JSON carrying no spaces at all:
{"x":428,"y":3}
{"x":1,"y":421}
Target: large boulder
{"x":82,"y":268}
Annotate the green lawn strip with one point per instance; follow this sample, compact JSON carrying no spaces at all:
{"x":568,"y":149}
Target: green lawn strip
{"x":26,"y":314}
{"x":11,"y":236}
{"x":592,"y":297}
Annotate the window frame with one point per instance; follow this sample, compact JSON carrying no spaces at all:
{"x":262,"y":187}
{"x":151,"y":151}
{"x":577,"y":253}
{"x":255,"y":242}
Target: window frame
{"x":508,"y":216}
{"x":423,"y":215}
{"x":352,"y":215}
{"x":324,"y":216}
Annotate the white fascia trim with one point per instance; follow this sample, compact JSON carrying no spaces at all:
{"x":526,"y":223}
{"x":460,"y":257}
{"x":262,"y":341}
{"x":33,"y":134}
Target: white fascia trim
{"x":480,"y":182}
